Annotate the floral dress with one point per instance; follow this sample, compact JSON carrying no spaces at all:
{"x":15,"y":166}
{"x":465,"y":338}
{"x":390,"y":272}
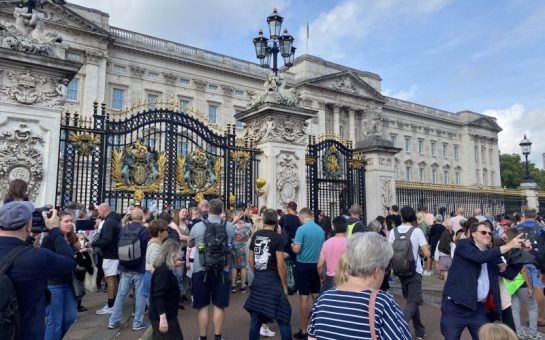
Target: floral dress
{"x":243,"y":231}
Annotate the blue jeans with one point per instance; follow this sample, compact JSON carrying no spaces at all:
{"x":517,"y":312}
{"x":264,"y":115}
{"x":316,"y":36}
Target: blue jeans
{"x":129,"y":280}
{"x":258,"y":320}
{"x":61,"y":312}
{"x":522,"y":294}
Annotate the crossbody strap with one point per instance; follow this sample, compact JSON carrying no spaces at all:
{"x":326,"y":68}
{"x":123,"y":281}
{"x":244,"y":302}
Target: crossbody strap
{"x":372,"y":301}
{"x":11,"y":256}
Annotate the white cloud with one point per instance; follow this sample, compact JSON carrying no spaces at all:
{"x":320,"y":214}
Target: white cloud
{"x":403,"y":94}
{"x":516,"y":121}
{"x":352,"y":20}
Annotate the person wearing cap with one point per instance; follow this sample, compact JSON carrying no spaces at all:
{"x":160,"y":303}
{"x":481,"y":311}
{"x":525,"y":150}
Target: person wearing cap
{"x":31,"y":269}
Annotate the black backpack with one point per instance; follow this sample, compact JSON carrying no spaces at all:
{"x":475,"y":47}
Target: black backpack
{"x":10,"y":317}
{"x":216,"y":246}
{"x":129,"y":249}
{"x":403,"y":261}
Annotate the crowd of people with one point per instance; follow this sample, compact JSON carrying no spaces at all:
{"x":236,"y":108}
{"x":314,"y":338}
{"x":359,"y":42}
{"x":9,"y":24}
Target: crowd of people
{"x":340,"y":267}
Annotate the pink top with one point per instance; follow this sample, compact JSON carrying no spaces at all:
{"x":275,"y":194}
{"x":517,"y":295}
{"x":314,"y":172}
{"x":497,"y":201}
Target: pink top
{"x":332,"y":250}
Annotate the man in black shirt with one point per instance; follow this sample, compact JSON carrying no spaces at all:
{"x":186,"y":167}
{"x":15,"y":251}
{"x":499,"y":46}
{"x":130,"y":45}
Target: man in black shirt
{"x":289,"y":224}
{"x":393,"y":219}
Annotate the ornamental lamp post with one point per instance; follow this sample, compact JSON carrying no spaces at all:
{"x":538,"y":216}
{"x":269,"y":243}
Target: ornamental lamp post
{"x":282,"y":44}
{"x":526,"y":147}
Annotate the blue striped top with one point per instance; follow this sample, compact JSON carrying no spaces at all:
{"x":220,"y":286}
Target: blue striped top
{"x":339,"y":315}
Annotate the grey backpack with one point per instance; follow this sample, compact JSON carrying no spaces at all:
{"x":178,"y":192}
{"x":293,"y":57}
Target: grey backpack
{"x":403,"y":261}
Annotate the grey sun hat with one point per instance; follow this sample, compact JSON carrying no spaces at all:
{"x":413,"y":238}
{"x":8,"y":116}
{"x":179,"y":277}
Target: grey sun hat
{"x":14,"y":215}
{"x":439,"y":218}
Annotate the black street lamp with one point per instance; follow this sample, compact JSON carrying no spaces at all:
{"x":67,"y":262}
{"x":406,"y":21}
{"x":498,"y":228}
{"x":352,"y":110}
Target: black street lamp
{"x":282,"y":44}
{"x":526,"y":147}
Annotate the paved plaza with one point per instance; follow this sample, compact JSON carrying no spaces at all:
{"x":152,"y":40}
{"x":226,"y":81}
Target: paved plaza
{"x":90,"y":326}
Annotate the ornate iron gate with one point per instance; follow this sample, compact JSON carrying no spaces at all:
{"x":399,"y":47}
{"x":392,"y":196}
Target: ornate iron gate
{"x":335,"y":175}
{"x":158,"y":155}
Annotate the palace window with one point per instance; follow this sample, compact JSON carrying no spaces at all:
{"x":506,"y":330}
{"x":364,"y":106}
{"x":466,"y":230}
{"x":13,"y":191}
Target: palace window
{"x":478,"y":176}
{"x":184,"y":82}
{"x":490,"y":155}
{"x":456,"y":152}
{"x":393,"y":139}
{"x":432,"y":149}
{"x":72,"y":93}
{"x":445,"y":150}
{"x":476,"y":154}
{"x":182,"y":148}
{"x":212,"y":87}
{"x":341,"y":130}
{"x":212,"y":113}
{"x":117,"y":99}
{"x":119,"y":68}
{"x":238,"y":123}
{"x":421,"y":174}
{"x":457,"y":178}
{"x":445,"y":177}
{"x":407,"y":144}
{"x":434,"y":176}
{"x":152,"y":101}
{"x":184,"y":104}
{"x":492,"y":178}
{"x":420,"y":146}
{"x":483,"y":154}
{"x":76,"y":56}
{"x":408,"y":171}
{"x":239,"y":93}
{"x":153,"y":75}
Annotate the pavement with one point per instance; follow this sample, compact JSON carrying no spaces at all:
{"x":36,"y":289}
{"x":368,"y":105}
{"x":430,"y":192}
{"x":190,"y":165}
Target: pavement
{"x":91,"y":326}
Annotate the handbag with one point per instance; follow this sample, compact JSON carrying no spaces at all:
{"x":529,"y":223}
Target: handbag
{"x":372,"y":301}
{"x":490,"y":303}
{"x":79,"y":288}
{"x":90,"y":281}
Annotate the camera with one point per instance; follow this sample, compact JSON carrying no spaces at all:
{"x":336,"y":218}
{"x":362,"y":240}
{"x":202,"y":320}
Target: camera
{"x":38,"y":222}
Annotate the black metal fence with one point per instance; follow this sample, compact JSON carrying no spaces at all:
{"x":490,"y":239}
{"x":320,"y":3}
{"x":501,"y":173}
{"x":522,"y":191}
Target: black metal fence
{"x":445,"y":199}
{"x":335,"y":176}
{"x":159,"y":156}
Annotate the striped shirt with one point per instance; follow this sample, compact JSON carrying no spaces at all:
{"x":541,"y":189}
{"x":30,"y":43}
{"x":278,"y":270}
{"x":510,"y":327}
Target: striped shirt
{"x":344,"y":315}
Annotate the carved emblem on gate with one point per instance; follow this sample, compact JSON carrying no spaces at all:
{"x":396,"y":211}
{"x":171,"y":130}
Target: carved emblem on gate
{"x":331,"y":163}
{"x":138,"y":169}
{"x":198,"y":173}
{"x":84,"y":143}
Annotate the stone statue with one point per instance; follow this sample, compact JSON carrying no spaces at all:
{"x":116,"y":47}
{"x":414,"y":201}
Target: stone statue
{"x":27,"y":33}
{"x":372,"y":124}
{"x":276,"y":93}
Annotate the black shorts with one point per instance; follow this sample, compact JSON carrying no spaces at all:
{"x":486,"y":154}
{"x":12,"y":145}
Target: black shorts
{"x":210,"y":284}
{"x":307,"y":279}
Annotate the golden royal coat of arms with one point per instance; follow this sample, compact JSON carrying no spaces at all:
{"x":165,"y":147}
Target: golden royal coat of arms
{"x":199,"y":174}
{"x":331,"y":163}
{"x":138,"y":169}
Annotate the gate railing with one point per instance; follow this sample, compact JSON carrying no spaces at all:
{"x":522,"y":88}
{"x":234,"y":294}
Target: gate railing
{"x":445,"y":199}
{"x":159,"y":155}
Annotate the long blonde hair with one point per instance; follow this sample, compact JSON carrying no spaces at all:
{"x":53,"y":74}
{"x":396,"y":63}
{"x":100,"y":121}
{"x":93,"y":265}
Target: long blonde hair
{"x":341,"y":276}
{"x":169,"y":249}
{"x":496,"y":331}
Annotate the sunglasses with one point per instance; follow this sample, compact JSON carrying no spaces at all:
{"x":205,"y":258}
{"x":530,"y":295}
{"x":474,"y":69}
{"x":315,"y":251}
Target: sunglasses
{"x":484,"y":233}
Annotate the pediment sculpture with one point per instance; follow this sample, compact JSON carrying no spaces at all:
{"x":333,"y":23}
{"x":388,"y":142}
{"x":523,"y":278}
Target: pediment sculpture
{"x":21,"y":157}
{"x":276,"y":93}
{"x":27,"y":34}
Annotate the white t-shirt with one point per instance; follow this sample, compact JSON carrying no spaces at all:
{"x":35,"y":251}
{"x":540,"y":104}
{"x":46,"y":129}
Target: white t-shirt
{"x":417,"y":239}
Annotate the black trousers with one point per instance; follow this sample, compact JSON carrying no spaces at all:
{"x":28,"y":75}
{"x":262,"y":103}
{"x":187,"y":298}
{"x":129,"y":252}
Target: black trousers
{"x":411,"y":287}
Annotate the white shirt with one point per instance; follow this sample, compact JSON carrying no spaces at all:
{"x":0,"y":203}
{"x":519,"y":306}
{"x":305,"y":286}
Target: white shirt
{"x":417,"y":240}
{"x":483,"y":284}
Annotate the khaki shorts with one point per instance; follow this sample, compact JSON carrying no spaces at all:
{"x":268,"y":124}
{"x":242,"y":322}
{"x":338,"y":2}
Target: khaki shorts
{"x":109,"y":267}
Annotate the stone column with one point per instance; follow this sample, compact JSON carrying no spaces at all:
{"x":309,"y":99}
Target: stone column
{"x":529,"y":188}
{"x":281,"y":133}
{"x":336,"y":119}
{"x":351,"y":125}
{"x":380,"y":191}
{"x":92,"y":81}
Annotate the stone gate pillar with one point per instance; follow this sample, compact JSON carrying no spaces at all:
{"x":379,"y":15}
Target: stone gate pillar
{"x":280,"y":132}
{"x":530,"y":189}
{"x":33,"y":83}
{"x":380,"y":191}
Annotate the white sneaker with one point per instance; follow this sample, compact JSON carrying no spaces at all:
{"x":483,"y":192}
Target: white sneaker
{"x":266,"y":332}
{"x":105,"y":310}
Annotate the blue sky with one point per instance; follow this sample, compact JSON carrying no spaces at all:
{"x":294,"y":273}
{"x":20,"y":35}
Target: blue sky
{"x":485,"y":56}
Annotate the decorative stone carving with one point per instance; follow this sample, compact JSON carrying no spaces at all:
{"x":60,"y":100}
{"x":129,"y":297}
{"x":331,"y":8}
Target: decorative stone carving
{"x":93,"y":57}
{"x":27,"y":33}
{"x":276,"y":93}
{"x":227,"y":90}
{"x":21,"y":157}
{"x":200,"y":84}
{"x":332,"y":164}
{"x":386,"y":196}
{"x":137,"y":71}
{"x":277,"y":129}
{"x":287,"y":182}
{"x":170,"y":78}
{"x":27,"y":88}
{"x":346,"y":84}
{"x":372,"y":123}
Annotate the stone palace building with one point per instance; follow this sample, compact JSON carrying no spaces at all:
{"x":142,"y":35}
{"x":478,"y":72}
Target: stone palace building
{"x":123,"y":69}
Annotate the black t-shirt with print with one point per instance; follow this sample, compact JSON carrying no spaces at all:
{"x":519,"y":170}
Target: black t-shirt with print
{"x":265,"y":244}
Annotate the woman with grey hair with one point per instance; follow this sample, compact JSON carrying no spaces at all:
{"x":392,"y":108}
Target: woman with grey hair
{"x":358,"y":301}
{"x":165,"y":293}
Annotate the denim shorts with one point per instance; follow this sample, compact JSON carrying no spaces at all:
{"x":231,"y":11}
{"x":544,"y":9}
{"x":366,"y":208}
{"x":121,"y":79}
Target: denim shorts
{"x":534,"y":274}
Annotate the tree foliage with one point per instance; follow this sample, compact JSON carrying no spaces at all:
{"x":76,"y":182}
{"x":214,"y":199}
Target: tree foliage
{"x":512,"y":170}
